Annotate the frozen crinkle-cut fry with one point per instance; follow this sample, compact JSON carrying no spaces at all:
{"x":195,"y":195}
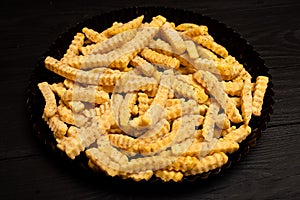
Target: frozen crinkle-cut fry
{"x":133,"y":24}
{"x":173,"y":38}
{"x":68,"y":83}
{"x":85,"y":50}
{"x":146,"y":175}
{"x":258,"y":94}
{"x":196,"y":31}
{"x":181,"y":109}
{"x":209,"y":121}
{"x":75,"y":45}
{"x":239,"y":134}
{"x":183,"y":164}
{"x":121,"y":141}
{"x":209,"y":163}
{"x":57,"y":126}
{"x":65,"y":114}
{"x":212,"y":45}
{"x":246,"y":100}
{"x":207,"y":54}
{"x":59,"y":89}
{"x":145,"y":67}
{"x":163,"y":61}
{"x":161,"y":46}
{"x":143,"y":103}
{"x":191,"y":49}
{"x":88,"y":94}
{"x":225,"y":146}
{"x":140,"y":40}
{"x":157,"y":21}
{"x":186,"y":26}
{"x":222,"y":121}
{"x":122,"y":62}
{"x":113,"y":42}
{"x":166,"y":175}
{"x":50,"y":106}
{"x":93,"y":35}
{"x":233,"y":88}
{"x":208,"y":80}
{"x":124,"y":113}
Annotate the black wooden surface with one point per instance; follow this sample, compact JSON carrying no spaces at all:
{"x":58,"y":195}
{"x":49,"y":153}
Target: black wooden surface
{"x":28,"y":170}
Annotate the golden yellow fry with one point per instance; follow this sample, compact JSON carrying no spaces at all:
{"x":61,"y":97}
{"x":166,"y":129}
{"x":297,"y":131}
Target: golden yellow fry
{"x":159,"y":59}
{"x":246,"y":100}
{"x":238,"y":135}
{"x":158,"y":21}
{"x":186,"y":26}
{"x":93,"y":35}
{"x":57,"y":126}
{"x":50,"y":106}
{"x":259,"y":93}
{"x":166,"y":175}
{"x":133,"y":24}
{"x":212,"y":45}
{"x":196,"y":31}
{"x":75,"y":45}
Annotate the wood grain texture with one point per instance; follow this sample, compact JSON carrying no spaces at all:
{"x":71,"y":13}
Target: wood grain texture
{"x":30,"y":171}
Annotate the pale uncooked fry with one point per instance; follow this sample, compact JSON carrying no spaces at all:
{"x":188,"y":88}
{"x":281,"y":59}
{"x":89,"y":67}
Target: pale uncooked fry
{"x":191,"y":49}
{"x":133,"y":24}
{"x":164,"y":88}
{"x":75,"y":45}
{"x":93,"y":35}
{"x":146,"y":175}
{"x":110,"y":151}
{"x":236,"y":101}
{"x":58,"y":127}
{"x":207,"y":54}
{"x":186,"y":90}
{"x":233,"y":88}
{"x":198,"y":89}
{"x":173,"y":102}
{"x":164,"y":61}
{"x":173,"y":38}
{"x":209,"y":163}
{"x":222,"y":121}
{"x":157,"y":21}
{"x":259,"y":93}
{"x":143,"y":103}
{"x":140,"y":40}
{"x":75,"y":106}
{"x":124,"y":113}
{"x":146,"y":163}
{"x":246,"y":100}
{"x":212,"y":45}
{"x":238,"y":135}
{"x":208,"y":80}
{"x":209,"y":121}
{"x":133,"y":82}
{"x":181,"y":109}
{"x":102,"y":161}
{"x":161,"y":46}
{"x":186,"y":127}
{"x":145,"y":67}
{"x":196,"y":31}
{"x":88,"y":94}
{"x":154,"y":140}
{"x":113,"y":42}
{"x":59,"y":89}
{"x":50,"y":106}
{"x":166,"y":175}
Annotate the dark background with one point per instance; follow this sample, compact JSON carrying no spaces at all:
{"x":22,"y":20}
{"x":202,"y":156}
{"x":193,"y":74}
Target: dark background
{"x":28,"y":170}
